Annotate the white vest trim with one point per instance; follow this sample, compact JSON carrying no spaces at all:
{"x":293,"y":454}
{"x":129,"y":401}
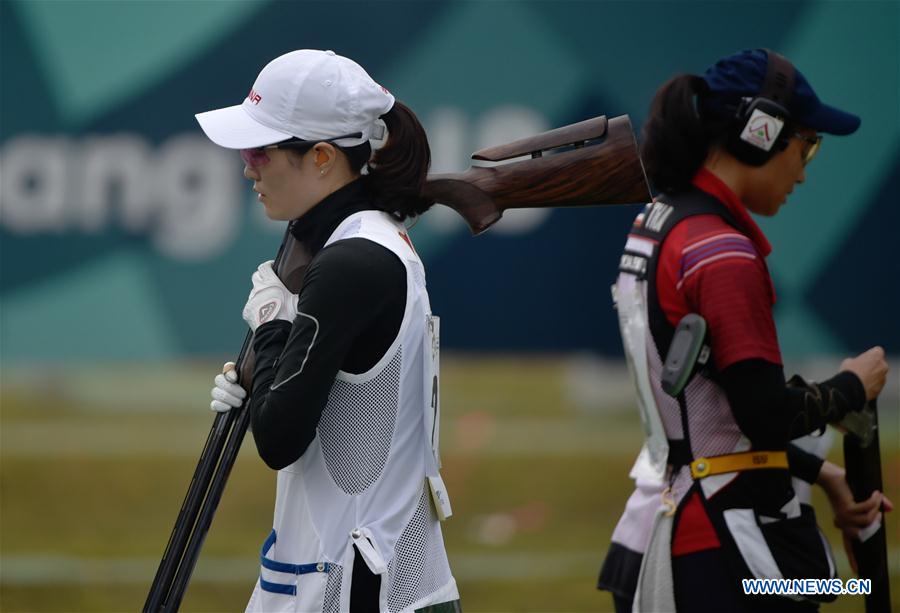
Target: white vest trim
{"x":364,"y":481}
{"x":630,"y":299}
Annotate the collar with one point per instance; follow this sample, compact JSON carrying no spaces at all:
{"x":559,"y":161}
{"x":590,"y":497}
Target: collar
{"x":714,"y":186}
{"x":314,"y":228}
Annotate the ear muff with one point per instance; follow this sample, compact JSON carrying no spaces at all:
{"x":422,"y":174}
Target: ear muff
{"x":763,"y":124}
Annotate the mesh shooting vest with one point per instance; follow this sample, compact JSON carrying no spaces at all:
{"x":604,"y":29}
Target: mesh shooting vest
{"x":363,"y":481}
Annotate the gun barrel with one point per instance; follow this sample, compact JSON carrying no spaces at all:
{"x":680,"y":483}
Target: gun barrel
{"x":862,"y":459}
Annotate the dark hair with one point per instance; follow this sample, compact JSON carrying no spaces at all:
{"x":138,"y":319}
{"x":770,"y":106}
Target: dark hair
{"x":397,"y":171}
{"x":677,"y":136}
{"x":357,"y":156}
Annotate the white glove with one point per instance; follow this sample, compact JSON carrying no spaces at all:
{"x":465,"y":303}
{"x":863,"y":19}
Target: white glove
{"x":269,"y":299}
{"x":226,"y":393}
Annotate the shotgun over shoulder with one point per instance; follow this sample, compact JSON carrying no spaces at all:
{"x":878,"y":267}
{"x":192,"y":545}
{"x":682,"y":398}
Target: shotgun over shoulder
{"x":597,"y":164}
{"x":573,"y":134}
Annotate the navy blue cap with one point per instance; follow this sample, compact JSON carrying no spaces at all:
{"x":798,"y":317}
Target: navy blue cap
{"x":742,"y":75}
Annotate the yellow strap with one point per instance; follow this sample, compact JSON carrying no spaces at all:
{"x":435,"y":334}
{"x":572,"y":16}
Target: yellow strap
{"x":735,"y":462}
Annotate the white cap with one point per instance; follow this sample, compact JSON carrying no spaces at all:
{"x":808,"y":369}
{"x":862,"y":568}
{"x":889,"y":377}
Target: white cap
{"x":307,"y":94}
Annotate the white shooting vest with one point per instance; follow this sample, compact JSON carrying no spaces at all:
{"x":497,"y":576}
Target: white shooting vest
{"x":368,"y":479}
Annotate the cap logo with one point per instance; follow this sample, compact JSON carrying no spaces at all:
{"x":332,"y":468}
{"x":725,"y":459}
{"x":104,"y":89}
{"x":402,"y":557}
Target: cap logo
{"x":762,"y":130}
{"x":254,"y":97}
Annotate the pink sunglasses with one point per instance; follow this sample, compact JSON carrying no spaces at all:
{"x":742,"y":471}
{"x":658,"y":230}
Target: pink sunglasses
{"x":257,"y":156}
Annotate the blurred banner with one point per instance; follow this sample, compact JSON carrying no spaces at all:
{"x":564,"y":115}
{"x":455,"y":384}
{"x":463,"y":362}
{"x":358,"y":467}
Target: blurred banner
{"x":125,"y":234}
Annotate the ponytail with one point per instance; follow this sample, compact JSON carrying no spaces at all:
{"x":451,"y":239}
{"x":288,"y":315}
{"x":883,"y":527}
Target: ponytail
{"x":676,"y":139}
{"x":397,"y":171}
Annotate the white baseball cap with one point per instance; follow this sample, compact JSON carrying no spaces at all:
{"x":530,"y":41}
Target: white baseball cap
{"x":307,"y":94}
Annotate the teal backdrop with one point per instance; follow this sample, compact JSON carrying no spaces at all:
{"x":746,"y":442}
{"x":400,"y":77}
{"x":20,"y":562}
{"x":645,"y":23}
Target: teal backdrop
{"x":125,"y":235}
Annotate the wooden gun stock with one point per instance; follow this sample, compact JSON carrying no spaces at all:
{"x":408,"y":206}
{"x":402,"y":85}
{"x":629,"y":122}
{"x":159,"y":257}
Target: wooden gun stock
{"x":598,"y":163}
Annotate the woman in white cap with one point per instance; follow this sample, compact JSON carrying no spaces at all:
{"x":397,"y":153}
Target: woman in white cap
{"x":715,"y":477}
{"x":339,"y":403}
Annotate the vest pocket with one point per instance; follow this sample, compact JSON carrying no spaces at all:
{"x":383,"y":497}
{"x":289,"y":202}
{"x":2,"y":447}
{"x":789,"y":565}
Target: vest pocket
{"x":277,"y":594}
{"x":288,"y":586}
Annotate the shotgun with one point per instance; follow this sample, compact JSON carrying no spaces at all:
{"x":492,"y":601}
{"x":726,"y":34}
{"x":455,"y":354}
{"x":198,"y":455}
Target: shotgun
{"x":589,"y":163}
{"x":216,"y":460}
{"x":862,"y":461}
{"x":592,"y":162}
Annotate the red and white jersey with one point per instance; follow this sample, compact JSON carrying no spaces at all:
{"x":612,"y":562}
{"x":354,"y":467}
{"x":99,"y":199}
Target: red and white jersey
{"x":701,"y":254}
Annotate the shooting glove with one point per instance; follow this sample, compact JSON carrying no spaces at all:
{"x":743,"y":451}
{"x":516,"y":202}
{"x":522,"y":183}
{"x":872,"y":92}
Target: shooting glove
{"x":226,"y":393}
{"x":269,"y":299}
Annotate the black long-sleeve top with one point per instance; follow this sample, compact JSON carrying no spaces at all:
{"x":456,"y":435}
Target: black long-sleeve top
{"x":350,"y":310}
{"x":771,"y":412}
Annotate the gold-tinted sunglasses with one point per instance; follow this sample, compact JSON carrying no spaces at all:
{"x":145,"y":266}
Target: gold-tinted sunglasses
{"x":811,"y":144}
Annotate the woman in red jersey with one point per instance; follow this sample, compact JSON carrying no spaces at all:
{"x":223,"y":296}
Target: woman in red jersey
{"x":719,"y":147}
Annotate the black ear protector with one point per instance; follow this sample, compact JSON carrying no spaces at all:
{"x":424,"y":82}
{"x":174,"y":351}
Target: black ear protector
{"x":763,"y":124}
